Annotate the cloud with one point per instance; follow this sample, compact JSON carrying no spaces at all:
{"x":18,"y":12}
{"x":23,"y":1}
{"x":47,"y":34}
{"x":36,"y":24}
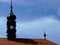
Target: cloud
{"x":29,"y":9}
{"x":38,"y":2}
{"x":58,"y":11}
{"x":36,"y":25}
{"x":5,"y":1}
{"x":35,"y":2}
{"x":2,"y":27}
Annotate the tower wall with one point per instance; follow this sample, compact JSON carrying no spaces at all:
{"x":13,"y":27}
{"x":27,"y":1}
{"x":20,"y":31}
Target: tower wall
{"x":11,"y":27}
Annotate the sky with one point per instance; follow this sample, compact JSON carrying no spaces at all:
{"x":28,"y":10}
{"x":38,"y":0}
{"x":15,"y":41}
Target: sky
{"x":33,"y":18}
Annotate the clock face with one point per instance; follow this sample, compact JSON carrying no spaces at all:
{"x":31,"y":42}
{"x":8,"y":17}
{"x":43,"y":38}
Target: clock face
{"x":11,"y":27}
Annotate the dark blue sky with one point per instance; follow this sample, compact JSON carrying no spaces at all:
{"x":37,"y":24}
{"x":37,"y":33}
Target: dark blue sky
{"x":33,"y":17}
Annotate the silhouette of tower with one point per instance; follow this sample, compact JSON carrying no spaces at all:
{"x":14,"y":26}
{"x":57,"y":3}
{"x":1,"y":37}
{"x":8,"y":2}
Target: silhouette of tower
{"x":44,"y":35}
{"x":11,"y":25}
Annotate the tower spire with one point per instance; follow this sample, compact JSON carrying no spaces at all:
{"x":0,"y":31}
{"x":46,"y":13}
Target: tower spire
{"x":11,"y":11}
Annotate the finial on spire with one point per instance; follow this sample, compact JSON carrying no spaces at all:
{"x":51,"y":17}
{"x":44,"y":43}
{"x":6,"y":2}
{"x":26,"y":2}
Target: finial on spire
{"x":44,"y":35}
{"x":11,"y":8}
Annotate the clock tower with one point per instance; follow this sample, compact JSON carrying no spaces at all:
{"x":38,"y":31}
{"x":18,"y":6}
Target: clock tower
{"x":11,"y":25}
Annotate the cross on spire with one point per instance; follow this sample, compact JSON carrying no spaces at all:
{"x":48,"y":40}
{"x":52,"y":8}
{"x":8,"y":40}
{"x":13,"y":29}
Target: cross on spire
{"x":44,"y":35}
